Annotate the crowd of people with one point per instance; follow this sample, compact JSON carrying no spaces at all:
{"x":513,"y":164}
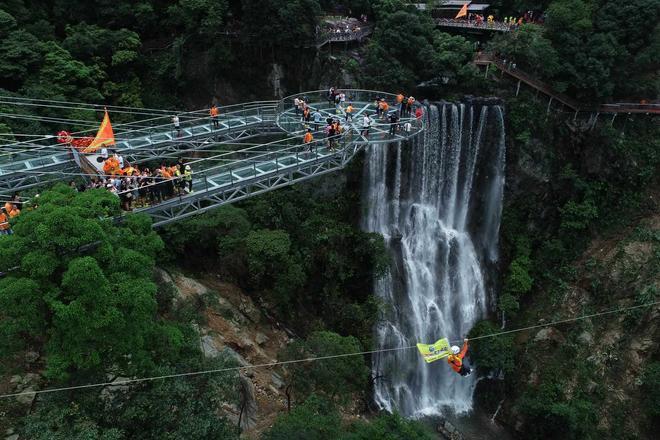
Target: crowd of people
{"x":141,"y":187}
{"x":510,"y":23}
{"x":344,"y":28}
{"x":312,"y":119}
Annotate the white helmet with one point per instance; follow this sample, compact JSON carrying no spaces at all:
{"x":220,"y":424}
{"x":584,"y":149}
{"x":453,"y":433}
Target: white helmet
{"x":455,"y":349}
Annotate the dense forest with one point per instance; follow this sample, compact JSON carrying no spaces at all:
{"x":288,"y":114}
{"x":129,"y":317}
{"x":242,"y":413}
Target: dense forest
{"x":79,"y":301}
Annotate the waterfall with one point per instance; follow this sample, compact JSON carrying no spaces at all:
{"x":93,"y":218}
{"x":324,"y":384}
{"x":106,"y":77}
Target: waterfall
{"x":437,"y":201}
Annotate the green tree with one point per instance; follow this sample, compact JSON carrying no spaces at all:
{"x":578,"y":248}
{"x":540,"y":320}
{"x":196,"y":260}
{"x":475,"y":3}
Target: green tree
{"x":531,"y":50}
{"x":388,"y":427}
{"x":20,"y":53}
{"x":338,"y":379}
{"x":491,"y":354}
{"x":91,"y":305}
{"x":315,"y":419}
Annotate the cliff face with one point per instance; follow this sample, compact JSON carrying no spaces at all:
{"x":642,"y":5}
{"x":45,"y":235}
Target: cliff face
{"x":232,"y":326}
{"x":583,"y":253}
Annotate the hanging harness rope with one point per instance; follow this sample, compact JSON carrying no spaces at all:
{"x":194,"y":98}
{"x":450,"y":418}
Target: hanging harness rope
{"x":309,"y":359}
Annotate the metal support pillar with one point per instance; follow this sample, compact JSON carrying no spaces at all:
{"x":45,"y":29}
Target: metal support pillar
{"x":549,"y":104}
{"x":487,"y":67}
{"x":518,"y":88}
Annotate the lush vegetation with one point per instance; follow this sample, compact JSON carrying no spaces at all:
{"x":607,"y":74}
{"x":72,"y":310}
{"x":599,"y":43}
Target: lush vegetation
{"x":595,"y":50}
{"x":317,"y":419}
{"x":584,"y":185}
{"x":298,"y":251}
{"x":77,"y":291}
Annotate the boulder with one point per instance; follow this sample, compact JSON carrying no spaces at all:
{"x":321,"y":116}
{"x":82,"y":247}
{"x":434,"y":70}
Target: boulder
{"x":261,"y":339}
{"x":277,"y":380}
{"x":548,"y":334}
{"x":248,"y":403}
{"x":209,"y":347}
{"x":449,"y":431}
{"x":247,"y":308}
{"x":25,"y":384}
{"x":232,"y":354}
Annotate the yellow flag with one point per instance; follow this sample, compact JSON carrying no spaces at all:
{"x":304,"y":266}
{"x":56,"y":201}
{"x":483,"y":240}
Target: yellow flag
{"x":433,"y":352}
{"x":104,"y":137}
{"x":463,"y":12}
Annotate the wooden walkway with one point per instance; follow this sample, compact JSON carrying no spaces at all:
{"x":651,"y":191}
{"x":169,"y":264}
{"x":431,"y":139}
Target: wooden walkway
{"x":574,"y":105}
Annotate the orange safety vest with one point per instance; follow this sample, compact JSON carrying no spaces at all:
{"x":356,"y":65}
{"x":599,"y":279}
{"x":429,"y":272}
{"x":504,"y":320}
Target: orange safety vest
{"x":9,"y":206}
{"x":4,"y":222}
{"x":349,"y":109}
{"x":14,"y":213}
{"x":456,"y":361}
{"x":308,"y":138}
{"x":214,"y":111}
{"x":399,"y":98}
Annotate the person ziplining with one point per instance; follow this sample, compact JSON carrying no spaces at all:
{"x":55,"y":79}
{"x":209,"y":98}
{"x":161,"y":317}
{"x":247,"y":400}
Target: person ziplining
{"x":441,"y":349}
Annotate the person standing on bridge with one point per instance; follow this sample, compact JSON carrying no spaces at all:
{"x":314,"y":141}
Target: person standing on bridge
{"x":366,"y":125}
{"x":5,"y":229}
{"x":317,"y":119}
{"x":214,"y":112}
{"x":394,"y":123}
{"x":384,"y":108}
{"x":308,"y":139}
{"x":399,"y":102}
{"x":177,"y":125}
{"x":349,"y":113}
{"x":296,"y":105}
{"x":187,"y":178}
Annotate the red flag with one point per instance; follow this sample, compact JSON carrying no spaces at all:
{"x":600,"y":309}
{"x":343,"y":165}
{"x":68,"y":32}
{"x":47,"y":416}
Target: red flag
{"x":104,"y":137}
{"x":463,"y":12}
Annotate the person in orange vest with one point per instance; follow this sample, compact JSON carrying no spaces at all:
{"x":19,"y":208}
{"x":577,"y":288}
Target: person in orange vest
{"x":399,"y":102}
{"x":455,"y":360}
{"x":214,"y":112}
{"x":15,"y":212}
{"x":5,"y":229}
{"x":308,"y":136}
{"x":349,"y":112}
{"x":384,"y":108}
{"x":308,"y":139}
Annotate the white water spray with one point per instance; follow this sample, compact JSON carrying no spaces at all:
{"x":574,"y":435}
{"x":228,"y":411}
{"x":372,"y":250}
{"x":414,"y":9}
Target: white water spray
{"x":438,"y":203}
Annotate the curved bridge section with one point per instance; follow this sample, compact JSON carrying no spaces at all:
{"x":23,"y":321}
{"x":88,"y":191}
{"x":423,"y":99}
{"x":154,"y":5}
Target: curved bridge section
{"x":244,"y":173}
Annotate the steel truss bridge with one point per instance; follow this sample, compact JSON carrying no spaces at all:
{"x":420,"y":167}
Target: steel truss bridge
{"x":241,"y":173}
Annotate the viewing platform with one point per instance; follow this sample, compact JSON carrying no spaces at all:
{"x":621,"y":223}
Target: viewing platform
{"x":240,"y":173}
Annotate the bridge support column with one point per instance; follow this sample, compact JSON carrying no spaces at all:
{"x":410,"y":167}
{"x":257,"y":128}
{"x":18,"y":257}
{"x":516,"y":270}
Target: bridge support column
{"x":613,"y":118}
{"x":487,"y":67}
{"x":549,"y":104}
{"x":518,"y":88}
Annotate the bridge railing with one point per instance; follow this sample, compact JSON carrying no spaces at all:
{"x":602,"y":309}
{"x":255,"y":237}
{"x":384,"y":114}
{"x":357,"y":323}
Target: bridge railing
{"x":494,"y":26}
{"x":364,"y":102}
{"x":191,"y":124}
{"x":238,"y":165}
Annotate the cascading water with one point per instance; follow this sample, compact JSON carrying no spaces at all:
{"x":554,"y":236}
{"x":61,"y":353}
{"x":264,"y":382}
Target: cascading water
{"x":437,"y":202}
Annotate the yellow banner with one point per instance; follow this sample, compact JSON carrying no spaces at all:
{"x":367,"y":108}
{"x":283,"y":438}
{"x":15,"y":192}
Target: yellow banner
{"x":433,"y":352}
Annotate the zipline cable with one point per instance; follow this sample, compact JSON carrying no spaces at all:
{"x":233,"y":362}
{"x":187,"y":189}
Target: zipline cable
{"x":309,"y":359}
{"x":84,"y":104}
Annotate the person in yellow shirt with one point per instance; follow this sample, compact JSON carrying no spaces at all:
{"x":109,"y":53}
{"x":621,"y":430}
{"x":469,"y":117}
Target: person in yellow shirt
{"x":349,"y":112}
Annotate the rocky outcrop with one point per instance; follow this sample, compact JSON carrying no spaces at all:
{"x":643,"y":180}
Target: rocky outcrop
{"x":236,"y":329}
